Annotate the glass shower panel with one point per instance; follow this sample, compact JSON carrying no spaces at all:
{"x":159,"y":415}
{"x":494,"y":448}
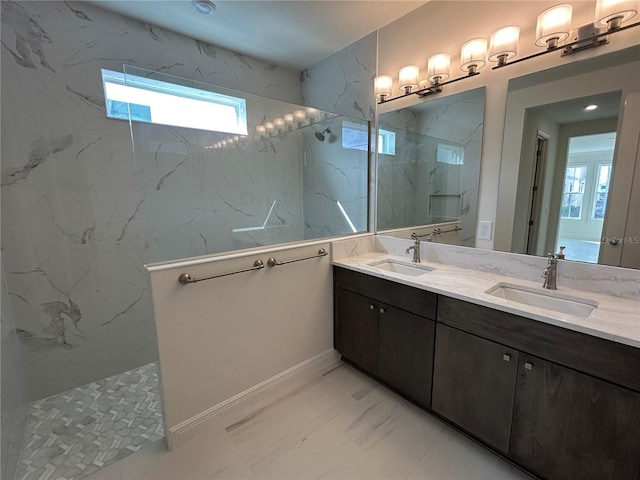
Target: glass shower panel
{"x":205,"y":191}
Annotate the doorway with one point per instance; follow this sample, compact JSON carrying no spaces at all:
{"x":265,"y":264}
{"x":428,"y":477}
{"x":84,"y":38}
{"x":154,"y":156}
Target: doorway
{"x":584,"y":195}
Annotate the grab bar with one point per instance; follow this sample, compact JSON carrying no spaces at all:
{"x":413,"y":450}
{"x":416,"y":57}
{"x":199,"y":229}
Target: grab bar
{"x":272,"y":262}
{"x":437,"y":231}
{"x":185,"y":278}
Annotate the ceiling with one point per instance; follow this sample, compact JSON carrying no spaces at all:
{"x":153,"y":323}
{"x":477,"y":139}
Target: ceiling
{"x":294,"y":34}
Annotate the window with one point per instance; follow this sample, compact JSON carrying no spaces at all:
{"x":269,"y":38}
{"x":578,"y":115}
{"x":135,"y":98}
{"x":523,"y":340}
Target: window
{"x":154,"y":101}
{"x":450,"y":153}
{"x":355,"y":136}
{"x":602,"y":191}
{"x":574,"y":180}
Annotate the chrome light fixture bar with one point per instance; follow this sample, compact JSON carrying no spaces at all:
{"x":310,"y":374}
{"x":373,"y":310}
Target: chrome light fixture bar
{"x":578,"y":45}
{"x":552,"y":28}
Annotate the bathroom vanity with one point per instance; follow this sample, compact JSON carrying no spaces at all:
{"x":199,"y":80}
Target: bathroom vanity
{"x":559,"y":398}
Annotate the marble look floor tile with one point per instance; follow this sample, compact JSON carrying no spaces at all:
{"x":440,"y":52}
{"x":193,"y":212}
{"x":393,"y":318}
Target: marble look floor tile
{"x":340,"y":425}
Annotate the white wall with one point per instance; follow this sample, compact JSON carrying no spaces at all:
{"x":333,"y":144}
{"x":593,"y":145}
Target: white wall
{"x":445,"y":26}
{"x":70,"y":204}
{"x":221,"y":337}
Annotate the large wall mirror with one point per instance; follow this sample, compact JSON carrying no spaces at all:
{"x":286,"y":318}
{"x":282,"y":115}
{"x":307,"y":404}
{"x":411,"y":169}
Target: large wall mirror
{"x":429,"y":165}
{"x":570,"y":172}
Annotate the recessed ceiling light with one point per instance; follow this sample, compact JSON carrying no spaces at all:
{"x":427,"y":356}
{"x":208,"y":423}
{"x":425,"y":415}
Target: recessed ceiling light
{"x":205,"y":7}
{"x":588,"y":108}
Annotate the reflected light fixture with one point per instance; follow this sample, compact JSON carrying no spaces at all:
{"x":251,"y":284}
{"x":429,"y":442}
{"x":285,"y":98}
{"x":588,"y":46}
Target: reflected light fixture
{"x":269,"y":126}
{"x":279,"y":124}
{"x":288,"y":119}
{"x":299,"y":116}
{"x":205,"y":7}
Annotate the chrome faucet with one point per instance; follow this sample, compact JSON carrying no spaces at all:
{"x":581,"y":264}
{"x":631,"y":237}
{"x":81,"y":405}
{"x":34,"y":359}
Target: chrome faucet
{"x":550,"y":273}
{"x":415,"y":247}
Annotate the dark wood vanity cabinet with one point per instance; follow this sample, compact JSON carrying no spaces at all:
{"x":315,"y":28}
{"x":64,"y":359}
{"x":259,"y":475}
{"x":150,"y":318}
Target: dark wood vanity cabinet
{"x":569,"y":425}
{"x":560,"y":403}
{"x":356,"y":329}
{"x":473,"y":384}
{"x":371,"y":331}
{"x":405,"y":353}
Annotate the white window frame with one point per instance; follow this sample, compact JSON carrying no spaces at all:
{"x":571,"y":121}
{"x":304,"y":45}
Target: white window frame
{"x":174,"y":104}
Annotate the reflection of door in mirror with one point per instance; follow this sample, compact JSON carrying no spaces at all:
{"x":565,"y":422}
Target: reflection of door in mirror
{"x":621,"y":232}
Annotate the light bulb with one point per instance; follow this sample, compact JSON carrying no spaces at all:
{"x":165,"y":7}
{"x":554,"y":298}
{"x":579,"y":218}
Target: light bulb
{"x":473,"y":55}
{"x":288,"y":119}
{"x":382,"y":87}
{"x":408,"y":78}
{"x":438,"y":67}
{"x":300,"y":116}
{"x":553,"y":26}
{"x":269,"y":126}
{"x":612,"y":13}
{"x":503,"y":44}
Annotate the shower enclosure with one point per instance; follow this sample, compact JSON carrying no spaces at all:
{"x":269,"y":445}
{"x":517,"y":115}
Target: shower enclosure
{"x":273,"y":172}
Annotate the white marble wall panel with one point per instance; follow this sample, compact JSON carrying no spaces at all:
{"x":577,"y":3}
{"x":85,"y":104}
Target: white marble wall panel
{"x":15,"y":398}
{"x":72,"y":236}
{"x":342,"y":84}
{"x":461,"y":122}
{"x":432,"y":191}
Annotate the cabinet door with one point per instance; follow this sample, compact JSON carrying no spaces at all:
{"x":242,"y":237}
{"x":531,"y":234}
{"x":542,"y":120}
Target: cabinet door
{"x":569,"y":425}
{"x":405,"y":352}
{"x":356,"y":329}
{"x":473,"y":384}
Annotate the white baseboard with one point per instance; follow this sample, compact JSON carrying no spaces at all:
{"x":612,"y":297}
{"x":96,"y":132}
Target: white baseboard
{"x":195,"y":426}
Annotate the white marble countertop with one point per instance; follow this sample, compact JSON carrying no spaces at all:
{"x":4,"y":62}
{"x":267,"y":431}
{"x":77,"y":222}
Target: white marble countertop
{"x":615,"y":318}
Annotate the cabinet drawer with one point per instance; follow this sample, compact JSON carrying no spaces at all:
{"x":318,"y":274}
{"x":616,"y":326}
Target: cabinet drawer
{"x":605,"y":359}
{"x":411,"y":299}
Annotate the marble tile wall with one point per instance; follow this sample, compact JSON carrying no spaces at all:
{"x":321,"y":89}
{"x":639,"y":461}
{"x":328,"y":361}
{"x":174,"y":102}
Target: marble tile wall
{"x":15,"y":397}
{"x":72,"y":238}
{"x":413,"y":187}
{"x":343,"y":84}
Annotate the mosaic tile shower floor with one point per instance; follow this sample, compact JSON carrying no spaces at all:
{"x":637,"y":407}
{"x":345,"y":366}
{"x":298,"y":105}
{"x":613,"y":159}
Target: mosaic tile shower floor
{"x":75,"y":433}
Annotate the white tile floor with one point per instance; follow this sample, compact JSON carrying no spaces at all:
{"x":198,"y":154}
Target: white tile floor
{"x":341,"y":425}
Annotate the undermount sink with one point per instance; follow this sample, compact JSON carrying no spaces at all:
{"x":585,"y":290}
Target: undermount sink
{"x":547,"y":299}
{"x":405,"y":268}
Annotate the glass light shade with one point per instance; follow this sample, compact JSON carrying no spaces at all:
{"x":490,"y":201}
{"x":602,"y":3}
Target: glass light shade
{"x":288,"y":119}
{"x":269,"y":126}
{"x":438,"y":67}
{"x":611,"y":13}
{"x":223,"y":143}
{"x":554,"y":25}
{"x":382,"y":86}
{"x":408,"y":78}
{"x":312,"y":113}
{"x":299,"y":116}
{"x":261,"y":130}
{"x":473,"y":55}
{"x":279,"y":123}
{"x":504,"y":43}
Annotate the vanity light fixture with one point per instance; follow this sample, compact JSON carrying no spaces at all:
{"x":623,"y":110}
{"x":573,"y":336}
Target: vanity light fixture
{"x":288,"y":119}
{"x":553,"y":26}
{"x":299,"y":116}
{"x":279,"y":124}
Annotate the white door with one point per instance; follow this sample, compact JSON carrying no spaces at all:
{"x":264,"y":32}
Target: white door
{"x":621,"y":229}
